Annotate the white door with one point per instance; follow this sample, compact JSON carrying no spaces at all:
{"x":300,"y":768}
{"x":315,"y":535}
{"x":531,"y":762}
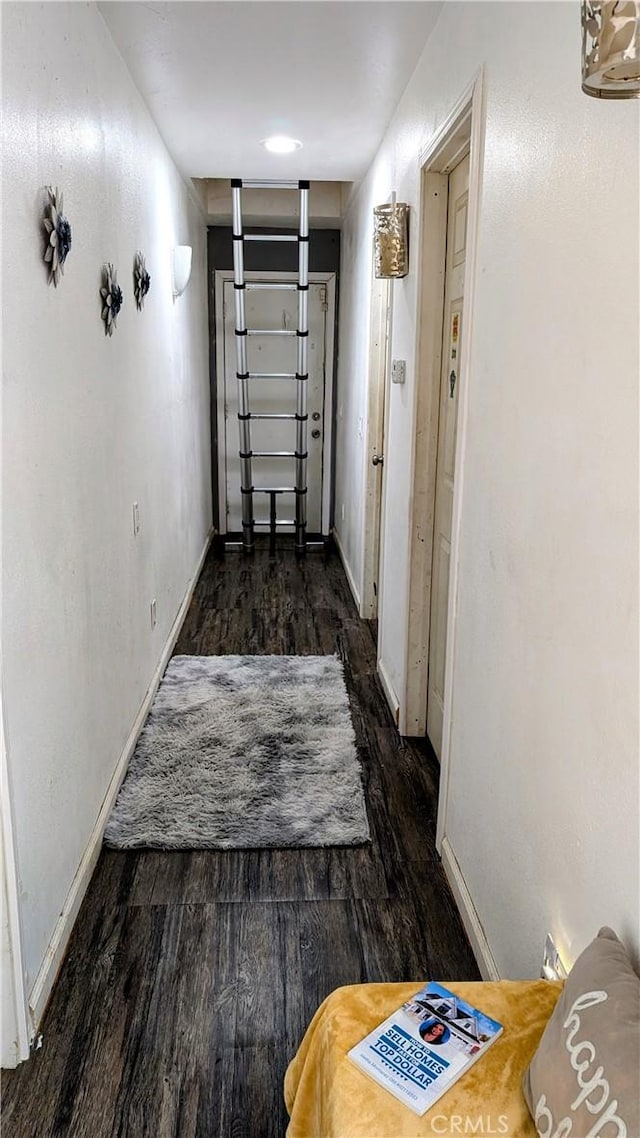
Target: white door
{"x":270,"y":310}
{"x":445,"y":471}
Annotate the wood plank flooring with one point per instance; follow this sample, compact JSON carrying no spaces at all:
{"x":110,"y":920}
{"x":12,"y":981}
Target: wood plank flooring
{"x":191,"y":977}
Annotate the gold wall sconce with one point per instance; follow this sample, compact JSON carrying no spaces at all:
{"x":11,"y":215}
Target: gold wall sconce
{"x":391,"y":239}
{"x":611,"y":49}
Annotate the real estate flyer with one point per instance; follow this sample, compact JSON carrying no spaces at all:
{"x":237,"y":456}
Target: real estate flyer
{"x":424,"y":1047}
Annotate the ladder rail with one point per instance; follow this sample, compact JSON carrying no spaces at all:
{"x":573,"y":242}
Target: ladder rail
{"x":302,"y":370}
{"x":242,"y":370}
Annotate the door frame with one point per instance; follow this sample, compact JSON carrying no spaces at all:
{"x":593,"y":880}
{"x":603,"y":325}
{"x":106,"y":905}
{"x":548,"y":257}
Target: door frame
{"x":329,"y":279}
{"x":377,"y":412}
{"x":460,"y":133}
{"x":16,"y":982}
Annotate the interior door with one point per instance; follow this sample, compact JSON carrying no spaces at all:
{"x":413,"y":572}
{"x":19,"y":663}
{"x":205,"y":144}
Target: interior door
{"x":447,"y":424}
{"x":271,"y":310}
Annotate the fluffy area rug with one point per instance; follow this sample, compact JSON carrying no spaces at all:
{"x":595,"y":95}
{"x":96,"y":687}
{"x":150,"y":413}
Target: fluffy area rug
{"x":241,"y":752}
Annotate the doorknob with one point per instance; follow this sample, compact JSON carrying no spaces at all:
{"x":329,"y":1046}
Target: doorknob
{"x":378,"y":459}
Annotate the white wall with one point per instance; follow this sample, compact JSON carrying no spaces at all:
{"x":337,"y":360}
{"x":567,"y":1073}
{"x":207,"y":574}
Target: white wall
{"x":91,"y":424}
{"x":544,"y":757}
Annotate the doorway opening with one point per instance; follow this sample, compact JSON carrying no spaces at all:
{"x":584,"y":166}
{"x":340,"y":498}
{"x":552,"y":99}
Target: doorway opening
{"x":276,"y":309}
{"x":450,"y":194}
{"x":453,"y":334}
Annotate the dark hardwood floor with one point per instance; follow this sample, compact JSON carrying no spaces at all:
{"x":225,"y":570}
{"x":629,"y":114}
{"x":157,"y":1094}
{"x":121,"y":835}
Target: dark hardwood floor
{"x":191,"y":977}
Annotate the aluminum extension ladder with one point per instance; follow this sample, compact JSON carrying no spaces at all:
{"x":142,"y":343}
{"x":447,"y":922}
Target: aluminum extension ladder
{"x":244,"y":376}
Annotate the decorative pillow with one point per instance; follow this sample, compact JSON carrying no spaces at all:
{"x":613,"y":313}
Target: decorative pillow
{"x":584,"y":1079}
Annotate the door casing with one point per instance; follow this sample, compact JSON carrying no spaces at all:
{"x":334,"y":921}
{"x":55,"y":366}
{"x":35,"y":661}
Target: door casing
{"x":15,"y":983}
{"x":329,"y":279}
{"x":461,"y":132}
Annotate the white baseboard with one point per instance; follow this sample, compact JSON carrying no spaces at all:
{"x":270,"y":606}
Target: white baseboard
{"x":56,"y":949}
{"x":470,"y":919}
{"x":355,"y":592}
{"x":389,"y":691}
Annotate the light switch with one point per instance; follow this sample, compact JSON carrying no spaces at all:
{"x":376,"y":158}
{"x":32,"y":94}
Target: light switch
{"x":398,"y":371}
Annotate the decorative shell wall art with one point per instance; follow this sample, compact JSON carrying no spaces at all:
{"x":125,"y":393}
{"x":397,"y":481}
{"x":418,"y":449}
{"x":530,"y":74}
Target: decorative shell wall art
{"x":141,"y":280}
{"x":112,"y":298}
{"x":58,"y":235}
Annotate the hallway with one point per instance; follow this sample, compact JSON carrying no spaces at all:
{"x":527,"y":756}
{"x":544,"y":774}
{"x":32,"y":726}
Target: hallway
{"x":191,"y":977}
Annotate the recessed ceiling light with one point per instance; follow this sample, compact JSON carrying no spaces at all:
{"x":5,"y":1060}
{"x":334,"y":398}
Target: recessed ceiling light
{"x":280,"y":144}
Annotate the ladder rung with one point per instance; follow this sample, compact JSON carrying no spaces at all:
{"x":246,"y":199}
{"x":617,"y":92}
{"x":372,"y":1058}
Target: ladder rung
{"x":273,"y":454}
{"x":274,"y":489}
{"x":269,"y":415}
{"x":264,"y":286}
{"x":253,"y":185}
{"x":271,"y":236}
{"x":284,"y":522}
{"x":272,"y":375}
{"x":271,"y":332}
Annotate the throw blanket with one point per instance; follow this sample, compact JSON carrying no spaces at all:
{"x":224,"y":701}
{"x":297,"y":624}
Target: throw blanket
{"x":328,"y":1097}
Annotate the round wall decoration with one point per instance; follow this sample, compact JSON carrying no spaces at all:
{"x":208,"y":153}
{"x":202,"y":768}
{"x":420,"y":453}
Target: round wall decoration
{"x":141,"y":280}
{"x":112,"y":298}
{"x":58,"y":235}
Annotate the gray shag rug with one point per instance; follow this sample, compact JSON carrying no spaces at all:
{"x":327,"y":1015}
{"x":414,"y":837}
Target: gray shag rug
{"x":241,"y":752}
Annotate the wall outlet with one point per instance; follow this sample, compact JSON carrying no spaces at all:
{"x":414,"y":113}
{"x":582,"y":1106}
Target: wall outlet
{"x":552,"y":966}
{"x":136,"y":519}
{"x":154,"y":613}
{"x":398,"y":371}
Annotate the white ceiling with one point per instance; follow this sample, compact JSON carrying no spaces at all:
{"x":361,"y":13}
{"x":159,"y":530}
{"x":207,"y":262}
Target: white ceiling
{"x":219,"y":77}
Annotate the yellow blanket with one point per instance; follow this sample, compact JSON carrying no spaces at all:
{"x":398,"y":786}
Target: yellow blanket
{"x":328,"y":1097}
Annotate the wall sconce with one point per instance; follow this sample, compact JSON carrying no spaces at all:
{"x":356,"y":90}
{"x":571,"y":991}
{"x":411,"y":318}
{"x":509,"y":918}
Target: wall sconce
{"x":611,"y":49}
{"x":391,"y":239}
{"x":181,"y":269}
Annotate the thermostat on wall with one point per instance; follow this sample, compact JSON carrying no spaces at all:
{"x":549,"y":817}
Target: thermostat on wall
{"x":398,"y":371}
